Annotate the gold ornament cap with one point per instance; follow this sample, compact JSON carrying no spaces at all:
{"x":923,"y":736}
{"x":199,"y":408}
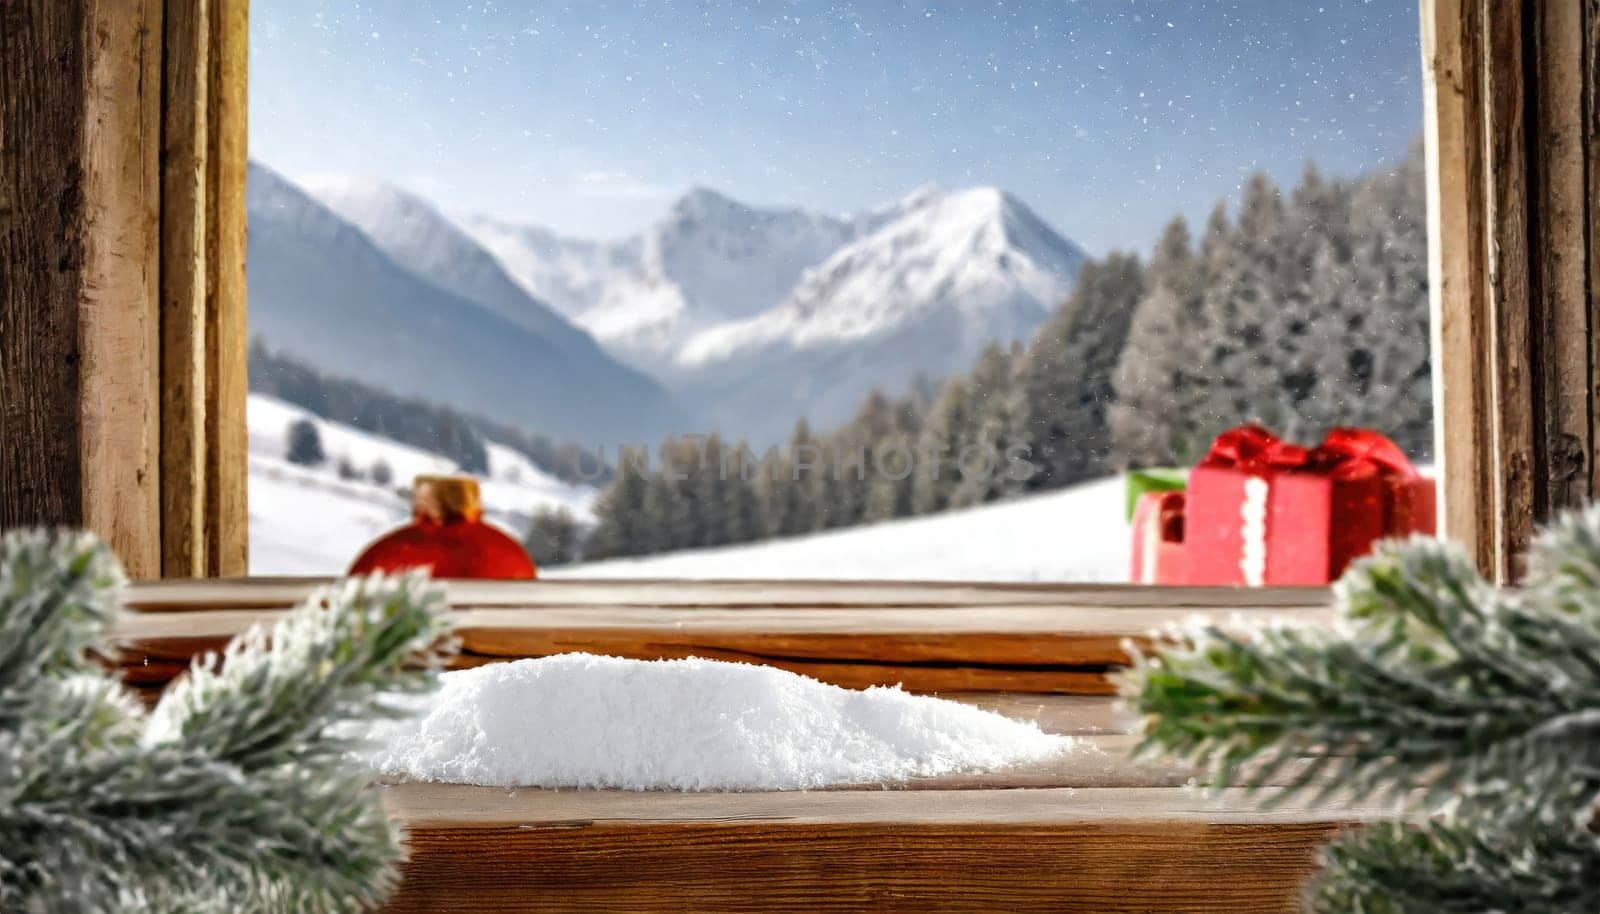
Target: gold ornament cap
{"x":442,"y":499}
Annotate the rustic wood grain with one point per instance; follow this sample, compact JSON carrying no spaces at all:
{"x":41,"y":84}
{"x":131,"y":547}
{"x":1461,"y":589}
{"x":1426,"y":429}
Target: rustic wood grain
{"x":42,"y":70}
{"x":270,"y":593}
{"x":1560,"y":288}
{"x":999,"y":647}
{"x":1589,"y":75}
{"x":1066,"y":849}
{"x":184,"y":182}
{"x":119,"y":321}
{"x":227,"y":513}
{"x":1457,"y":269}
{"x":1511,"y":282}
{"x":1510,"y":129}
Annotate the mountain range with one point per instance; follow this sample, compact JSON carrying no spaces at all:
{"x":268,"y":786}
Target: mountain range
{"x":749,"y":317}
{"x":418,"y":308}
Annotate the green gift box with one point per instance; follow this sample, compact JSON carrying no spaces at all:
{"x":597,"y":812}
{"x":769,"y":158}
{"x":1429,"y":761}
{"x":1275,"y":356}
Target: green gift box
{"x":1153,"y":479}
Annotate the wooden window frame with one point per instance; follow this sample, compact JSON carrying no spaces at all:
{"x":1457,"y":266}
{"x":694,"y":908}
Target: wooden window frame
{"x":124,"y":391}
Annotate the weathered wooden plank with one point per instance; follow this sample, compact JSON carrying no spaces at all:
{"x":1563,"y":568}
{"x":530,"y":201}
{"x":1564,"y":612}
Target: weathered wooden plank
{"x":978,"y":648}
{"x":268,"y":593}
{"x":1590,"y":78}
{"x":1069,"y":849}
{"x":119,"y":322}
{"x":184,"y":180}
{"x":1560,"y":282}
{"x":227,"y":513}
{"x":42,"y":70}
{"x":1457,"y":266}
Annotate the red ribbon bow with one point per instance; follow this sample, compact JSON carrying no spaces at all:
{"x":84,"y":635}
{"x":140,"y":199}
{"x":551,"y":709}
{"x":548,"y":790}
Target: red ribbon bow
{"x":1254,"y":450}
{"x":1360,"y":453}
{"x":1346,"y":453}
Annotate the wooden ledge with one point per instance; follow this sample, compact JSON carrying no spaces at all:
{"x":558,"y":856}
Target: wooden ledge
{"x":929,"y":637}
{"x":1058,"y":850}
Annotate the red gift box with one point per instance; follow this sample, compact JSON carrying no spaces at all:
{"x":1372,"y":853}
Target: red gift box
{"x":1260,"y":511}
{"x":1158,"y":539}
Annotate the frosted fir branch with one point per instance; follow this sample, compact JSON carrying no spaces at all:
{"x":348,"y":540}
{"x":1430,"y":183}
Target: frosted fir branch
{"x":58,"y":594}
{"x":235,"y":796}
{"x":338,"y":658}
{"x":1478,"y":711}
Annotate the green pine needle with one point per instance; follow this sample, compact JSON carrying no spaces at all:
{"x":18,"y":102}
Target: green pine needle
{"x":1475,"y":709}
{"x":236,"y":794}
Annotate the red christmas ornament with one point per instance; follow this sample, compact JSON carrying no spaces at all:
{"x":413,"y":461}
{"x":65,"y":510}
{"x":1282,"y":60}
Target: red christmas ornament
{"x":447,"y":536}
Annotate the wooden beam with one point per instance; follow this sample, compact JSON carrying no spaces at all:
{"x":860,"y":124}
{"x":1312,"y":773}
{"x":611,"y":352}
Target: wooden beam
{"x":78,"y":358}
{"x":1064,"y":640}
{"x":43,"y":67}
{"x":227,"y":162}
{"x":1511,"y":163}
{"x":185,"y":179}
{"x":1059,"y":850}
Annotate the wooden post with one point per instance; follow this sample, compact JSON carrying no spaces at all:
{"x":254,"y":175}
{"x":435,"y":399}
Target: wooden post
{"x":122,"y":328}
{"x":79,"y":215}
{"x":227,"y":442}
{"x":1511,"y":141}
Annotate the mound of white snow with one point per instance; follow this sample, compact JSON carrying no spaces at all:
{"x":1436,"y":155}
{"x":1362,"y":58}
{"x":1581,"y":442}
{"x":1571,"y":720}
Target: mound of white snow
{"x":579,"y":720}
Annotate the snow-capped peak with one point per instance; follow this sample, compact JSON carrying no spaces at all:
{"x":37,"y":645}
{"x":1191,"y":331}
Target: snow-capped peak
{"x":978,"y":253}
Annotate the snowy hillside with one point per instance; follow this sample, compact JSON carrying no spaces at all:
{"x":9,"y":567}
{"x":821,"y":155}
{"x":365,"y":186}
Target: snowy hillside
{"x":307,"y":520}
{"x":1076,"y":534}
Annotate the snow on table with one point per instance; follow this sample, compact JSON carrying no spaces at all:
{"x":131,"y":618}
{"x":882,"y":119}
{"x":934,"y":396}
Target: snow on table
{"x":581,"y":720}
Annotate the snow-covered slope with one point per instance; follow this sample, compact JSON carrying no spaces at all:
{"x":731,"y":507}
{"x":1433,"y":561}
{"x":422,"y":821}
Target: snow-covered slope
{"x":711,"y":259}
{"x":323,"y":292}
{"x":307,"y":520}
{"x":941,"y":276}
{"x":1076,"y":534}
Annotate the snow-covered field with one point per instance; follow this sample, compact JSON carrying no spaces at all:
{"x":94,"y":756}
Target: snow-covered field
{"x":308,"y":521}
{"x":1076,"y":534}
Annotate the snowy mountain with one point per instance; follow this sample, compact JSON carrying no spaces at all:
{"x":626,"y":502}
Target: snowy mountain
{"x":417,"y":236}
{"x":426,"y":313}
{"x":1073,"y":534}
{"x":759,"y":316}
{"x":710,"y":260}
{"x":308,"y":520}
{"x":937,"y":277}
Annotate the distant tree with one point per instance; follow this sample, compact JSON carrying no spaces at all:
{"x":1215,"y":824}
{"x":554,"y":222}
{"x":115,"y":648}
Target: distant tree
{"x":741,"y":505}
{"x":380,"y":472}
{"x":554,"y":537}
{"x":999,"y":427}
{"x":621,"y":527}
{"x":305,"y":444}
{"x":1154,"y":420}
{"x":1069,"y":369}
{"x":949,"y":428}
{"x":347,"y":470}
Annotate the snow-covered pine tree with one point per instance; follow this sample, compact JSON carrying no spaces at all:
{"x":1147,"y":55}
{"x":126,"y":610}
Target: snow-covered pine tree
{"x":947,"y":431}
{"x":1240,"y":307}
{"x":1153,"y":420}
{"x":1387,"y":348}
{"x":999,"y":418}
{"x":1069,"y":371}
{"x":621,"y":526}
{"x":236,"y":794}
{"x":1475,"y":710}
{"x":741,"y":507}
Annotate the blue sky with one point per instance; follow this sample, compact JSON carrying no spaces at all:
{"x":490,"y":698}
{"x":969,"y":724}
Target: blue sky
{"x":1107,"y":116}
